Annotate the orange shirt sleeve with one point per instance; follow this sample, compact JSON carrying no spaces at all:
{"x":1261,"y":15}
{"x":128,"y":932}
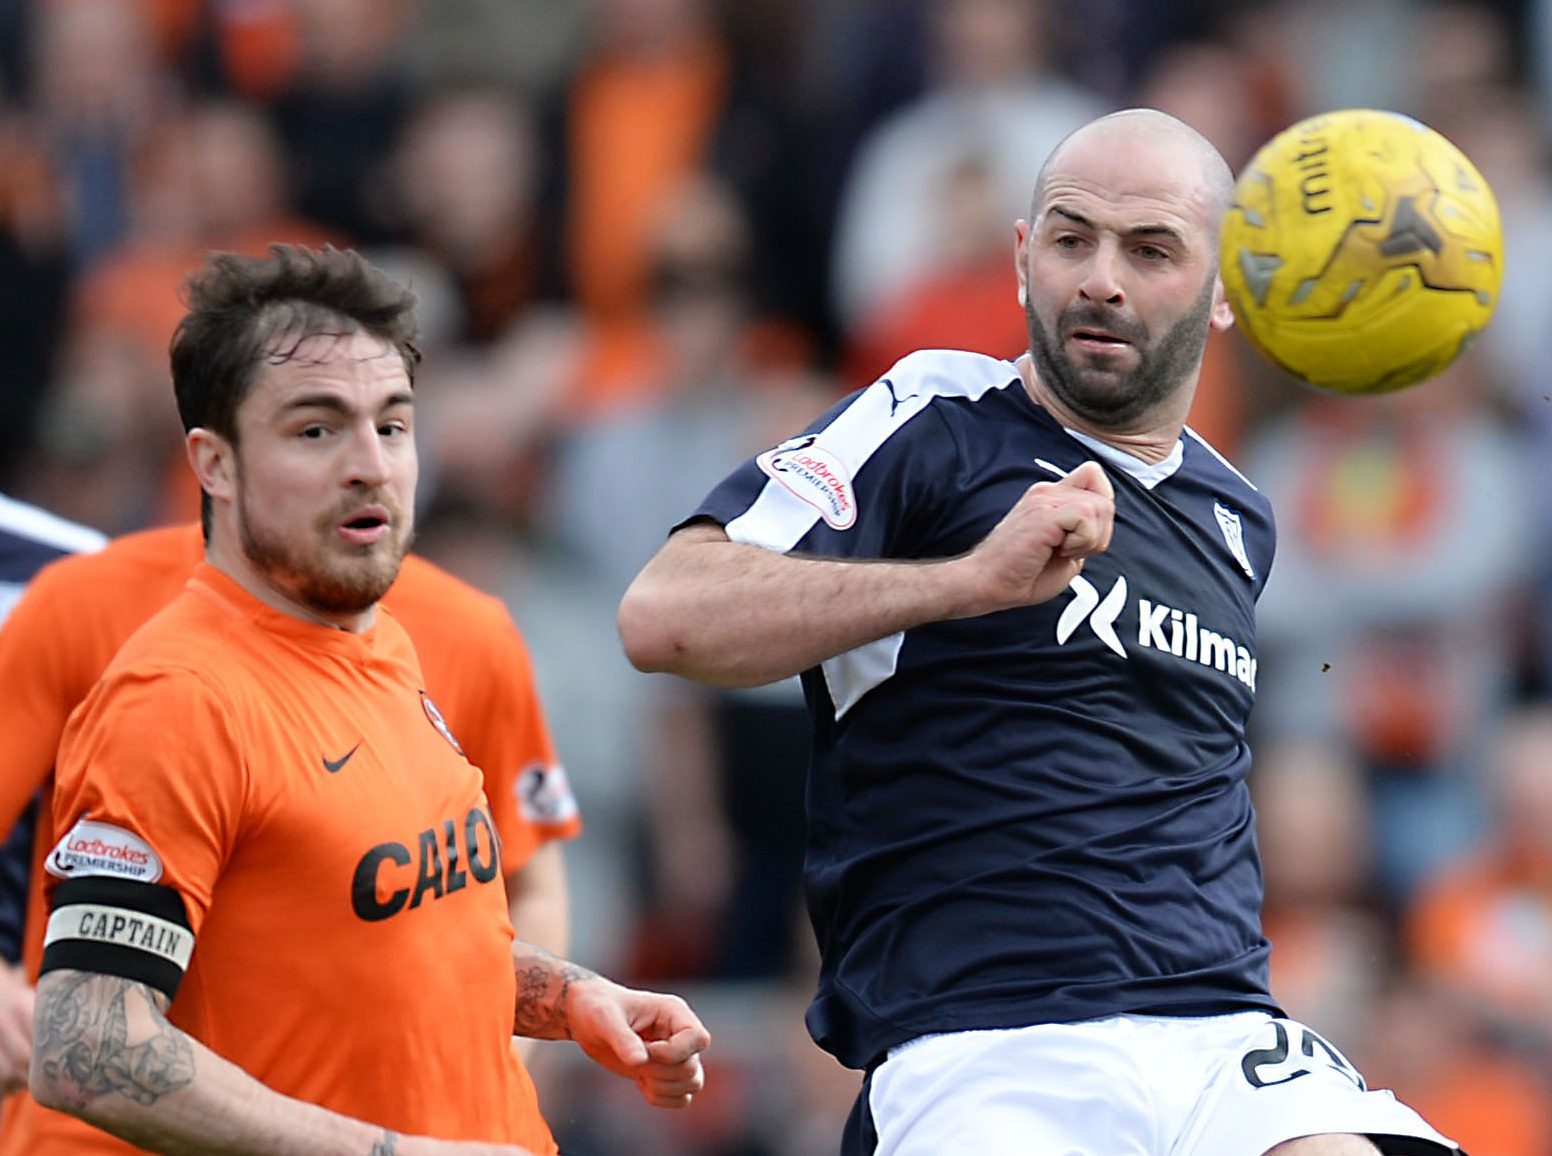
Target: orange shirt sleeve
{"x":508,"y":739}
{"x":151,"y":752}
{"x":42,"y":677}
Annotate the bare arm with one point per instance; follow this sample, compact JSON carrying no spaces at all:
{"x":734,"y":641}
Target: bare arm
{"x":104,"y":1051}
{"x":540,"y":907}
{"x":537,"y":900}
{"x":16,"y":999}
{"x":735,"y":615}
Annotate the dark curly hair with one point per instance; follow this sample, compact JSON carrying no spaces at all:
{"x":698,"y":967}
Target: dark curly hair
{"x":247,"y":311}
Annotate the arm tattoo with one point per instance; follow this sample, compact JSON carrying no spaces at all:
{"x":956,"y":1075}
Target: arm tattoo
{"x":84,"y":1048}
{"x":543,"y":985}
{"x":387,"y":1146}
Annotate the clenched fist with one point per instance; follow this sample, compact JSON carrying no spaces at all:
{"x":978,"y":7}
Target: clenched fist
{"x":1040,"y":544}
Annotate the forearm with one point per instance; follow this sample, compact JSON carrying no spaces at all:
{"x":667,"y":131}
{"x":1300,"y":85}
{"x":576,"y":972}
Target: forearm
{"x":16,"y":1001}
{"x":104,"y":1051}
{"x":540,"y":909}
{"x":544,"y":988}
{"x":728,"y":614}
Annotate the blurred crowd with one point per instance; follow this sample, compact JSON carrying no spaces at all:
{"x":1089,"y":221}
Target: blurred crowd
{"x":650,"y":237}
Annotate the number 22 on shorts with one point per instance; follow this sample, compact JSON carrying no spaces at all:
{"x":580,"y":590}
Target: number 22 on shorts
{"x":1282,"y":1062}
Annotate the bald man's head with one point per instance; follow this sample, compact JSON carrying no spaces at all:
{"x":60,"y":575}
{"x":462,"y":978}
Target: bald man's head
{"x":1148,"y":144}
{"x":1118,"y":269}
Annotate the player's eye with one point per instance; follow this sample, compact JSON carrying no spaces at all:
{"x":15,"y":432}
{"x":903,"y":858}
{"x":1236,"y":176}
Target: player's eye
{"x":313,"y":432}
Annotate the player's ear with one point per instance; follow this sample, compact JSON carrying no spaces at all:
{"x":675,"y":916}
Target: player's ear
{"x":213,"y":461}
{"x":1021,"y":259}
{"x":1222,"y":316}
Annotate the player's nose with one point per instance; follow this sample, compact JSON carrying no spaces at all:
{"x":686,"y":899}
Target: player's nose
{"x":1101,"y":280}
{"x":367,"y":463}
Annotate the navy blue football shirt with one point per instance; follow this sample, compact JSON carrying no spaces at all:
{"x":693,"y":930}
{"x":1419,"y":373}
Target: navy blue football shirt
{"x":30,"y":539}
{"x":1039,"y":815}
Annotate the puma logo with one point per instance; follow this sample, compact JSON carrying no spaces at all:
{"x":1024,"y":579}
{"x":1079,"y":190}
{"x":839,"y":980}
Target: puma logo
{"x":895,"y":400}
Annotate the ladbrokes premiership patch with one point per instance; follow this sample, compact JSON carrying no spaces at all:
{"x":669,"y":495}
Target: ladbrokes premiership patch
{"x":93,"y":848}
{"x":812,"y":473}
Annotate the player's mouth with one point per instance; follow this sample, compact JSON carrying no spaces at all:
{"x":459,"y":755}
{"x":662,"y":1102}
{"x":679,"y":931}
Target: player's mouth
{"x":1098,"y":339}
{"x":363,"y":527}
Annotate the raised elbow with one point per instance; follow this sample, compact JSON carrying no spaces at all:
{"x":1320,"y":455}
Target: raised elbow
{"x":650,"y":642}
{"x":668,"y":620}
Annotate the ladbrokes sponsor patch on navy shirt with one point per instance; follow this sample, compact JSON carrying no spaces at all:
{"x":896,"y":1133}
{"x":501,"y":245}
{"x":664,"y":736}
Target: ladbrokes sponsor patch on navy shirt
{"x":1038,"y":815}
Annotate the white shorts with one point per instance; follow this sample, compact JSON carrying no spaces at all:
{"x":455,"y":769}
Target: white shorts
{"x":1234,"y":1085}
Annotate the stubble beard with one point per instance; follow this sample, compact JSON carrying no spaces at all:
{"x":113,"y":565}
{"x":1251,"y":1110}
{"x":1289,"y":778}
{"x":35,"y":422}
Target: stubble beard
{"x":1118,"y":401}
{"x":347,"y":585}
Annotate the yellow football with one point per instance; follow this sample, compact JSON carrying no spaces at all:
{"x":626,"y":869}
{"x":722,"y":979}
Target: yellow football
{"x":1363,"y":251}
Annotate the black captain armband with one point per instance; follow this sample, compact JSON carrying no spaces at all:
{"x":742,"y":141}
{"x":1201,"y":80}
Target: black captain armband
{"x":119,"y":927}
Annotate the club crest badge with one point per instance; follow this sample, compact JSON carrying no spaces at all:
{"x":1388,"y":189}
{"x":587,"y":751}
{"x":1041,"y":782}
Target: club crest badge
{"x":435,"y":715}
{"x":1234,"y":536}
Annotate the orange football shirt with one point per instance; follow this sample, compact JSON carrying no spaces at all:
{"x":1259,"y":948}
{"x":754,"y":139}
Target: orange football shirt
{"x":335,"y":854}
{"x":73,"y":618}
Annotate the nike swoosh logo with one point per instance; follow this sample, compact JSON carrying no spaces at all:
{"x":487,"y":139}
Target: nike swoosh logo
{"x":335,"y":766}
